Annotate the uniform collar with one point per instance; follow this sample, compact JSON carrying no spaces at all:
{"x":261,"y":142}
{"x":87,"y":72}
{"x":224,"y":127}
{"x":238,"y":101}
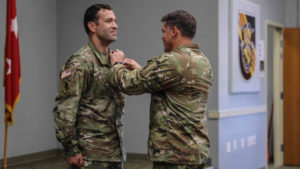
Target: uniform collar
{"x":104,"y":58}
{"x":192,"y":45}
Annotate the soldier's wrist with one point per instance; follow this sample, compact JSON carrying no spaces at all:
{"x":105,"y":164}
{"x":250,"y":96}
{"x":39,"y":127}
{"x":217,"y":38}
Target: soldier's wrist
{"x":72,"y":152}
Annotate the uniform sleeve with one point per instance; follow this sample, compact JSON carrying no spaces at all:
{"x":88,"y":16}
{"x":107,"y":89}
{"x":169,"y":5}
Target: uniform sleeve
{"x":160,"y":73}
{"x":72,"y":83}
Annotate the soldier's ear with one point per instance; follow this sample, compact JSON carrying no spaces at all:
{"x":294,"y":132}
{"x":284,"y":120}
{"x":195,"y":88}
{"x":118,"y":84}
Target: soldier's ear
{"x":175,"y":31}
{"x":92,"y":26}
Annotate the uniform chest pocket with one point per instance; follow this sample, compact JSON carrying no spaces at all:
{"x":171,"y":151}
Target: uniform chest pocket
{"x":99,"y":82}
{"x":99,"y":77}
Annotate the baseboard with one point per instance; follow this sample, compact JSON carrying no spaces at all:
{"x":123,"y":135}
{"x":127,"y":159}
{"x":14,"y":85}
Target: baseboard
{"x":138,"y":156}
{"x":30,"y":158}
{"x":209,"y":167}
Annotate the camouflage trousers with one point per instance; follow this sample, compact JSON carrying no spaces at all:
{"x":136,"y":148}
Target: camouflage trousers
{"x":163,"y":165}
{"x":100,"y":165}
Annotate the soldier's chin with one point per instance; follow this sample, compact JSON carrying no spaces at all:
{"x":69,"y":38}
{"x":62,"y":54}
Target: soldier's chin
{"x":114,"y":38}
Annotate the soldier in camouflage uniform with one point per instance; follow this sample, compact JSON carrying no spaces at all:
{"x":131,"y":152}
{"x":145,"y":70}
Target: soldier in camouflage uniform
{"x":88,"y":110}
{"x":179,"y":81}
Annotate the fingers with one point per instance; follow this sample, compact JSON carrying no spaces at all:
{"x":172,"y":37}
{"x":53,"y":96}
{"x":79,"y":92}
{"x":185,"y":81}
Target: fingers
{"x":81,"y":161}
{"x":116,"y":56}
{"x":116,"y":50}
{"x":127,"y":61}
{"x":76,"y":161}
{"x":128,"y":66}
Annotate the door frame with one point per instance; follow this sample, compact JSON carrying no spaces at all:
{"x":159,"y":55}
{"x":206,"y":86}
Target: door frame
{"x":278,"y":116}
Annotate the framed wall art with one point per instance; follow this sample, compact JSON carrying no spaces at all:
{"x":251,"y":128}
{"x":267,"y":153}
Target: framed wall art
{"x":244,"y":39}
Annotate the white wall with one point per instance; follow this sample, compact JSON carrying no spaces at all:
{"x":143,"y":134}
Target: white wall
{"x":139,"y":36}
{"x":33,"y":130}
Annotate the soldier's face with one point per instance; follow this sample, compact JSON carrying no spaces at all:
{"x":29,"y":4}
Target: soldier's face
{"x":167,"y":37}
{"x":106,"y":26}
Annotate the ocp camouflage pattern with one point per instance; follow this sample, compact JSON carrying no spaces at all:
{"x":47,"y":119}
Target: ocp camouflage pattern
{"x":88,"y":110}
{"x":179,"y":82}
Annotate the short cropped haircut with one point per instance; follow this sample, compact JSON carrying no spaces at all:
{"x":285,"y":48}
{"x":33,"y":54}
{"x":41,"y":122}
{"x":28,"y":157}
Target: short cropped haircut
{"x":183,"y":21}
{"x":91,"y":14}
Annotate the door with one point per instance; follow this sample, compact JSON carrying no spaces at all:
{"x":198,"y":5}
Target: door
{"x":292,"y":96}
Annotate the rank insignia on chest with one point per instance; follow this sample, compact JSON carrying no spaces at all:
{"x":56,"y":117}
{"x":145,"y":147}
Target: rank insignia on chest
{"x":66,"y":73}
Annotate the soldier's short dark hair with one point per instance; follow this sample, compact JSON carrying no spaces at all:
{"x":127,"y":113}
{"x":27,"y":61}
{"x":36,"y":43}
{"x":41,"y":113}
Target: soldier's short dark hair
{"x":183,"y":20}
{"x":91,"y":14}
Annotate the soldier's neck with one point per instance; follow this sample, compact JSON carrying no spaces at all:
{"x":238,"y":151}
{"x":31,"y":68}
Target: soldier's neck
{"x":181,"y":41}
{"x":101,"y":46}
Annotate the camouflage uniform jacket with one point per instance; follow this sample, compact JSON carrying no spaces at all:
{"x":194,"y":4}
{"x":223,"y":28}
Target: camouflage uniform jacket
{"x":88,"y":111}
{"x":180,"y":82}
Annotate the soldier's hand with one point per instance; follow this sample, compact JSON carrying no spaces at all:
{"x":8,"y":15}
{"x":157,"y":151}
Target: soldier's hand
{"x":131,"y":64}
{"x":116,"y":56}
{"x":75,"y":161}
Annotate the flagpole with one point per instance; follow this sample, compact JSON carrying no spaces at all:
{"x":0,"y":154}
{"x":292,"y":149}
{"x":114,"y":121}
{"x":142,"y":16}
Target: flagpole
{"x":5,"y":148}
{"x":12,"y":69}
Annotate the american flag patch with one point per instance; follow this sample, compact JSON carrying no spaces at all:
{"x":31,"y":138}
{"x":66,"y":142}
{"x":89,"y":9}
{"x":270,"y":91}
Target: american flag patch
{"x":65,"y":73}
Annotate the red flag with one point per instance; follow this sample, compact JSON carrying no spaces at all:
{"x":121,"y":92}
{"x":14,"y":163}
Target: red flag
{"x":12,"y":73}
